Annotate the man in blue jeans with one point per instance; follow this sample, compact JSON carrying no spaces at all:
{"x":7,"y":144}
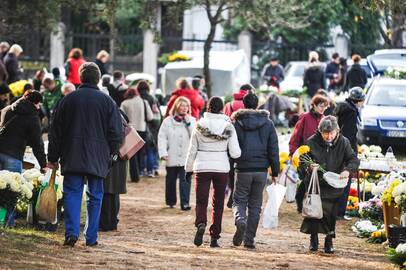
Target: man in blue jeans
{"x":259,"y":150}
{"x":86,"y":132}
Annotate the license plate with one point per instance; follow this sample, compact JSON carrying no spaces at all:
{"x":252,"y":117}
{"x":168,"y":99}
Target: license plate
{"x":397,"y":134}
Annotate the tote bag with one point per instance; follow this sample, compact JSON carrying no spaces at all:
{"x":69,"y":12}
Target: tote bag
{"x":132,"y":143}
{"x":312,"y":207}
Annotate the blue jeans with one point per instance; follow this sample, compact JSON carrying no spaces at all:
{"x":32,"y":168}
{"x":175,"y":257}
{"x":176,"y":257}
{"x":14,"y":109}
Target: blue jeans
{"x":72,"y":201}
{"x":11,"y":164}
{"x":149,"y":159}
{"x":172,"y":174}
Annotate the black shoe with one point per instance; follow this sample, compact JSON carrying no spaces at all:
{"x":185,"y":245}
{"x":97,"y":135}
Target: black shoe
{"x":328,"y":245}
{"x":70,"y":241}
{"x":239,"y":234}
{"x":314,"y":242}
{"x":249,"y":246}
{"x":199,"y":234}
{"x":230,"y":201}
{"x":92,"y":245}
{"x":185,"y":207}
{"x":214,"y":243}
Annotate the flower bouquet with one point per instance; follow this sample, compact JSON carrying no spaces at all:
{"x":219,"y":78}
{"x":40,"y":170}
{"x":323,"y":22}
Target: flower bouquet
{"x":173,"y":57}
{"x":377,"y":237}
{"x":398,"y":255}
{"x":372,"y":210}
{"x":396,"y":73}
{"x":364,"y":228}
{"x":352,"y":206}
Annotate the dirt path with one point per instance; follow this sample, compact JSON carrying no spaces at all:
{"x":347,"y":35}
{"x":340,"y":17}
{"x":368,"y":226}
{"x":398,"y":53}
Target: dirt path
{"x":151,"y":236}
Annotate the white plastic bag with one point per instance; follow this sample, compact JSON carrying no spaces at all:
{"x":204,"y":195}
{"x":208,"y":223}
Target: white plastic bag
{"x":289,"y":178}
{"x":275,"y":192}
{"x":334,"y":180}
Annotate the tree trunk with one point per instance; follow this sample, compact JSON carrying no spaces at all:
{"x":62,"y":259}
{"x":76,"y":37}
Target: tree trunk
{"x":206,"y":57}
{"x":397,"y":28}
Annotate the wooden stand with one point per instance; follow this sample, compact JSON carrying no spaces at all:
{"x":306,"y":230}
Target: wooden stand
{"x":391,"y":215}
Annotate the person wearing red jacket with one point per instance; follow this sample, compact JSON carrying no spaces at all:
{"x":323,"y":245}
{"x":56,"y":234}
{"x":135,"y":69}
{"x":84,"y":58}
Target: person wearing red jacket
{"x":237,"y":103}
{"x":75,"y":60}
{"x":184,"y":90}
{"x":308,"y":122}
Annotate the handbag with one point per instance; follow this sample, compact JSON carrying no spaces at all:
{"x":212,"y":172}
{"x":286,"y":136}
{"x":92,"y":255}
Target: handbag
{"x":132,"y":143}
{"x":312,"y":207}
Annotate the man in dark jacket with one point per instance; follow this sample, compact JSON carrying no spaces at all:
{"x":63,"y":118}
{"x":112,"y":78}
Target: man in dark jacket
{"x":86,"y":131}
{"x":356,"y":76}
{"x":273,"y":71}
{"x":259,"y":150}
{"x":348,"y":115}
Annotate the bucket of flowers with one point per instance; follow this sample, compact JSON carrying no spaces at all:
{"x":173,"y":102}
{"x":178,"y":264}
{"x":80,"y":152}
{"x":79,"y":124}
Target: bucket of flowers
{"x":12,"y":188}
{"x":391,"y":212}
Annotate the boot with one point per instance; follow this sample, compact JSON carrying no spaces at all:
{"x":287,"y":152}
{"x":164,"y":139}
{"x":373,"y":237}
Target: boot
{"x":214,"y":243}
{"x":199,"y":234}
{"x":328,"y":245}
{"x":314,"y":242}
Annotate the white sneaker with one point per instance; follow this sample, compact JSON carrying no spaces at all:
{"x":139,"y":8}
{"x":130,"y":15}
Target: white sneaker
{"x":348,"y":218}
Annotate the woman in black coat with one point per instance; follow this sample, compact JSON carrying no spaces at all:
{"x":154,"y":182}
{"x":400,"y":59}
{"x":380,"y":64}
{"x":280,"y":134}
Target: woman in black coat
{"x":114,"y":185}
{"x":356,"y":76}
{"x":333,"y":152}
{"x":314,"y":78}
{"x":11,"y":63}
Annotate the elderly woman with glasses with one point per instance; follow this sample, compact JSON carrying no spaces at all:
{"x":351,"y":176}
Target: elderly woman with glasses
{"x":333,"y":152}
{"x":307,"y":124}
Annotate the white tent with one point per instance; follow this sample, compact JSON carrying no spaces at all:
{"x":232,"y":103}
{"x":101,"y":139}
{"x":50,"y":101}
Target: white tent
{"x":228,"y":69}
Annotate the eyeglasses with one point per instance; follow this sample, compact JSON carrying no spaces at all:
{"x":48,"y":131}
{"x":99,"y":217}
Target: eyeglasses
{"x":322,"y":106}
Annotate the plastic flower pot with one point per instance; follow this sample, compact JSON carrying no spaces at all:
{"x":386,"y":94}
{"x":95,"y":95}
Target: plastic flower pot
{"x":3,"y":214}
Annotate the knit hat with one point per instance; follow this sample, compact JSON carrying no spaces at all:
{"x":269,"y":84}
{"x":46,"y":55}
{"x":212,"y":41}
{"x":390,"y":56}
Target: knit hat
{"x":4,"y":89}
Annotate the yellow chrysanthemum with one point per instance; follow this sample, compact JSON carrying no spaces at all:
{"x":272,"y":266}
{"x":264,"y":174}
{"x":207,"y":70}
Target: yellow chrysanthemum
{"x":295,"y":162}
{"x":304,"y":149}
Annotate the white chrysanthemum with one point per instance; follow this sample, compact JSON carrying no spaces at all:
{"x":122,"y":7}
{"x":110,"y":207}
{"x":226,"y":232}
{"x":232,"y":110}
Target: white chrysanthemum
{"x":14,"y":186}
{"x":3,"y":184}
{"x":401,"y":248}
{"x":25,"y":190}
{"x":398,"y":199}
{"x":32,"y":174}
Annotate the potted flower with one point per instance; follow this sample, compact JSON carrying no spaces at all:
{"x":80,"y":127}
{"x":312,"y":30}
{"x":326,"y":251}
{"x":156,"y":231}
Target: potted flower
{"x":391,"y":213}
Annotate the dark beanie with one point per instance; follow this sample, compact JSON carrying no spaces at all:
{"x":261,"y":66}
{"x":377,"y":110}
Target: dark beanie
{"x":4,"y":89}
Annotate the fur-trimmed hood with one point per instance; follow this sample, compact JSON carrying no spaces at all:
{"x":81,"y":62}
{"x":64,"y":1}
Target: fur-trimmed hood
{"x":214,"y":126}
{"x":250,"y":119}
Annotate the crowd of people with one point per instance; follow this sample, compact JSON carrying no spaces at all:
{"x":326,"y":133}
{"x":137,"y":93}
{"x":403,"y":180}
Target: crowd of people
{"x":229,"y":146}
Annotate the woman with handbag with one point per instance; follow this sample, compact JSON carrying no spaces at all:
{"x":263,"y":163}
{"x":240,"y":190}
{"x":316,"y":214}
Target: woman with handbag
{"x":332,"y":151}
{"x":139,"y":113}
{"x":213,"y":138}
{"x":173,"y":141}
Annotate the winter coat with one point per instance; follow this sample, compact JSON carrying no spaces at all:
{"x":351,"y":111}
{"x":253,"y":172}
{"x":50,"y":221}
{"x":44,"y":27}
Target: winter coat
{"x":23,"y":130}
{"x":173,"y":140}
{"x":332,"y":69}
{"x":213,"y":139}
{"x":236,"y":104}
{"x":12,"y":67}
{"x":277,"y":71}
{"x":313,"y":78}
{"x":86,"y":130}
{"x":348,"y":117}
{"x":356,"y":76}
{"x":305,"y":127}
{"x":196,"y":101}
{"x":258,"y":141}
{"x":135,"y":109}
{"x":3,"y":73}
{"x":117,"y":91}
{"x":102,"y":67}
{"x":72,"y":70}
{"x":336,"y":158}
{"x":276,"y":104}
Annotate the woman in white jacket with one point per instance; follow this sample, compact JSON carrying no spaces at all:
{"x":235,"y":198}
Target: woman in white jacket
{"x":173,"y":140}
{"x":213,"y":140}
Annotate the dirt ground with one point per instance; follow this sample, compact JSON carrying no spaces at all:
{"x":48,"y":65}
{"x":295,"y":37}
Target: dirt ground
{"x":151,"y":236}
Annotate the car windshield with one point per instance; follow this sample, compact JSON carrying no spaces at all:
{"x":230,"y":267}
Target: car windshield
{"x":295,"y":70}
{"x":388,"y":95}
{"x":383,"y":61}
